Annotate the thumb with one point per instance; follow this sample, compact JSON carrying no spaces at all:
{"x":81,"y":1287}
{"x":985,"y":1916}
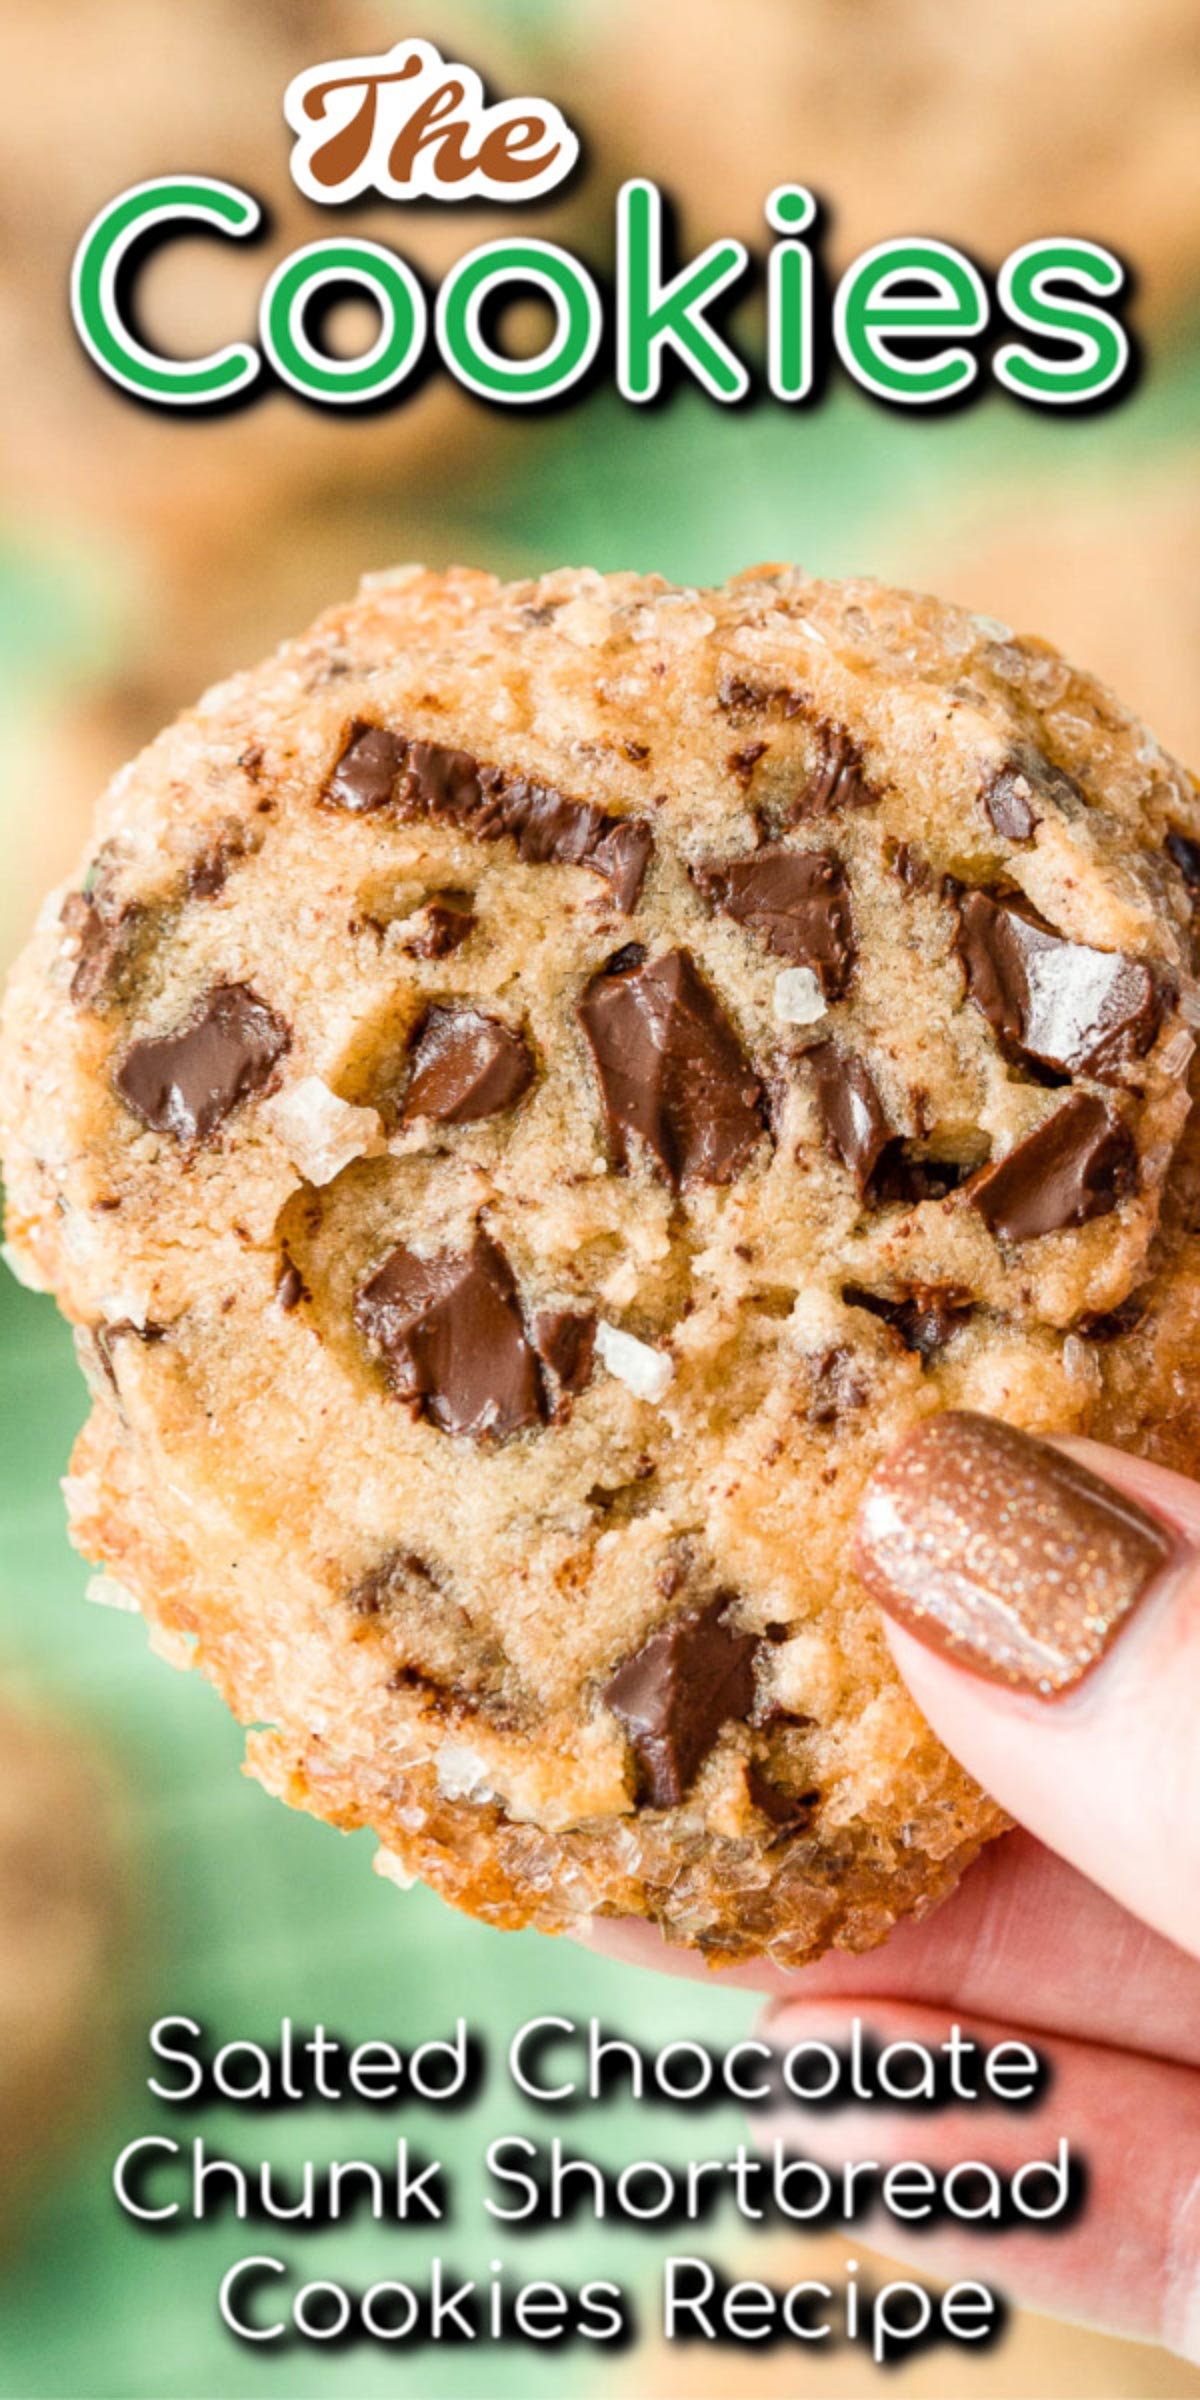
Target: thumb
{"x":1015,"y":1573}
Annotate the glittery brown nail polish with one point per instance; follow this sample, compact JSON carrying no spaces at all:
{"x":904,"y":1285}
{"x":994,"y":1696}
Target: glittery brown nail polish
{"x":1004,"y":1553}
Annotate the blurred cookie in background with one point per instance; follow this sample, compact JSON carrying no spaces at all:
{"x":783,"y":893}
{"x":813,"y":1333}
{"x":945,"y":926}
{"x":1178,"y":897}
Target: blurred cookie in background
{"x":63,"y":1968}
{"x":1108,"y":568}
{"x":987,"y":125}
{"x":201,"y":541}
{"x":201,"y":88}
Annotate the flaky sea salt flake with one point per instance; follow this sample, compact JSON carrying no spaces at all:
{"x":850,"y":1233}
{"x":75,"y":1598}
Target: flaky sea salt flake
{"x":321,"y":1133}
{"x":798,"y":998}
{"x":645,"y":1372}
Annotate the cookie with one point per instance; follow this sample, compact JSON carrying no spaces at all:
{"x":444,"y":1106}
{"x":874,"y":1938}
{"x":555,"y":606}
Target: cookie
{"x":158,"y":518}
{"x":62,"y":1932}
{"x":202,"y":89}
{"x":978,"y":126}
{"x":533,"y":1091}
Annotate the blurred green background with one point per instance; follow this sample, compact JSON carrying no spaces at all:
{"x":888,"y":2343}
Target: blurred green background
{"x":137,"y":561}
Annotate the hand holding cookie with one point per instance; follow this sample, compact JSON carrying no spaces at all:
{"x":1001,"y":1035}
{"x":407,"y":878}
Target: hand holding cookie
{"x":1043,"y":1604}
{"x":537,"y":1090}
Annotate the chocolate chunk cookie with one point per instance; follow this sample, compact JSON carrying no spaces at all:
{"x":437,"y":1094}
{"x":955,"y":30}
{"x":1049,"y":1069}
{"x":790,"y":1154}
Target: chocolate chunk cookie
{"x":532,"y":1092}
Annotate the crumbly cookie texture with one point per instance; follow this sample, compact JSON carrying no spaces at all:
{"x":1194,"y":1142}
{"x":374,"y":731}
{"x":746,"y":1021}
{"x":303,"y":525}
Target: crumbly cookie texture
{"x":533,"y":1091}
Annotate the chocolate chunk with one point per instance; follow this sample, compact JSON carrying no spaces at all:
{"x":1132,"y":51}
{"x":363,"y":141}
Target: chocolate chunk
{"x":383,"y":1586}
{"x":622,"y":856}
{"x":451,"y":787}
{"x":790,"y":1811}
{"x":105,"y":927}
{"x":671,"y":1069}
{"x":465,"y":1066}
{"x":838,"y":778}
{"x":1186,"y":854}
{"x":839,"y":1386}
{"x":798,"y":901}
{"x":1009,"y":792}
{"x":905,"y":1178}
{"x":209,"y":871}
{"x":853,"y":1115}
{"x":565,"y":1341}
{"x":290,"y":1287}
{"x":403,"y":1603}
{"x":1112,"y":1324}
{"x":365,"y":775}
{"x":912,"y":868}
{"x":742,"y":763}
{"x":1008,"y":801}
{"x":449,"y":917}
{"x":1079,"y":1164}
{"x":925,"y":1317}
{"x":630,"y":954}
{"x":186,"y":1083}
{"x":1062,"y":1003}
{"x":740,"y":698}
{"x":451,"y":1336}
{"x":676,"y":1692}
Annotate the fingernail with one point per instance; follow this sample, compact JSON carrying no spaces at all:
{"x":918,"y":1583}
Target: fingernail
{"x":1003,"y":1553}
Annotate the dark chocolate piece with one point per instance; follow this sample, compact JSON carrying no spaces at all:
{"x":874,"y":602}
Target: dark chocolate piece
{"x":1186,"y":854}
{"x":904,"y":1177}
{"x":452,"y":1339}
{"x":1112,"y":1324}
{"x":790,"y":1811}
{"x":925,"y":1317}
{"x":449,"y":917}
{"x":839,"y":1386}
{"x":290,"y":1287}
{"x":1081,"y":1163}
{"x":622,"y":856}
{"x":452,"y":787}
{"x":1007,"y":797}
{"x":186,"y":1083}
{"x":742,"y":763}
{"x":404,"y":1602}
{"x":671,"y":1069}
{"x":105,"y":928}
{"x":852,"y":1113}
{"x":798,"y":901}
{"x":740,"y":698}
{"x":838,"y":778}
{"x":365,"y":775}
{"x":382,"y":1586}
{"x":209,"y":871}
{"x":675,"y":1694}
{"x":911,"y":866}
{"x":1010,"y":791}
{"x":1079,"y":1010}
{"x":465,"y":1066}
{"x":565,"y":1341}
